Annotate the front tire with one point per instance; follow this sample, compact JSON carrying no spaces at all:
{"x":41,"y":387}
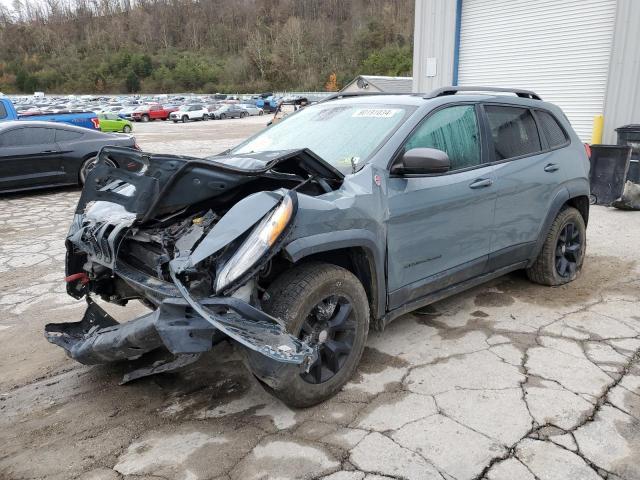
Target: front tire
{"x":185,"y":119}
{"x":562,"y":255}
{"x":89,"y":165}
{"x":326,"y":306}
{"x":145,"y":118}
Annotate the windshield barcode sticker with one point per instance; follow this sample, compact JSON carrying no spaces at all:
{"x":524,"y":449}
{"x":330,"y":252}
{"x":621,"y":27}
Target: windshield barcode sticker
{"x":375,"y":113}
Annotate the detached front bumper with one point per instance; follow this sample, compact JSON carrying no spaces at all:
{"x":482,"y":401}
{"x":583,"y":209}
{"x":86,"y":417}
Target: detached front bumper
{"x":180,"y":324}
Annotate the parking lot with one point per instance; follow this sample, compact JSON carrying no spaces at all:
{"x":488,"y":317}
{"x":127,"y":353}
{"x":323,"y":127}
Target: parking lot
{"x":506,"y":381}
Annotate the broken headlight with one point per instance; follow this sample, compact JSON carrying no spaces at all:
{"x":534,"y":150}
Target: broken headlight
{"x":257,"y":244}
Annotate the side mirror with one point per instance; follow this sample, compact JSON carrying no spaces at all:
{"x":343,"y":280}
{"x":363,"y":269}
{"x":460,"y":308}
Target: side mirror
{"x":422,"y":161}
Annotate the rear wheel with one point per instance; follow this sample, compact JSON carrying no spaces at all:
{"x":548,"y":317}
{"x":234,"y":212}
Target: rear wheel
{"x":563,"y":251}
{"x":326,"y":306}
{"x":88,"y":165}
{"x":126,"y":129}
{"x":205,"y":117}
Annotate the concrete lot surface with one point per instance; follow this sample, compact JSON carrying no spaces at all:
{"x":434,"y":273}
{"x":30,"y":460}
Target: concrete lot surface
{"x":508,"y":381}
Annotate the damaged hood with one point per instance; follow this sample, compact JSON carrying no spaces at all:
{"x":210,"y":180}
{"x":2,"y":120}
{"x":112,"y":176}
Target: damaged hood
{"x":264,"y":161}
{"x":148,"y":185}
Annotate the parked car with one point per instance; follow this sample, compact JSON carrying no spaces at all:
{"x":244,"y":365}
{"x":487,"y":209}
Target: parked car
{"x":45,"y":154}
{"x":190,"y":112}
{"x":127,"y":112}
{"x":110,"y":122}
{"x":228,"y":111}
{"x":252,"y":109}
{"x":349,"y":213}
{"x":145,"y":113}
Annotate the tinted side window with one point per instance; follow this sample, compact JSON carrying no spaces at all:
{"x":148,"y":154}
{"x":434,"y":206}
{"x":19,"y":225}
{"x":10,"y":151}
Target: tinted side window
{"x":40,"y":136}
{"x":513,"y":130}
{"x":3,"y":111}
{"x":27,"y":136}
{"x":551,"y":129}
{"x":453,"y":130}
{"x":66,"y":135}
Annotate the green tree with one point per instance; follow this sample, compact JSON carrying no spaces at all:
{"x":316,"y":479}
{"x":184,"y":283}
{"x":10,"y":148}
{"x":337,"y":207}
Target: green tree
{"x":132,"y":82}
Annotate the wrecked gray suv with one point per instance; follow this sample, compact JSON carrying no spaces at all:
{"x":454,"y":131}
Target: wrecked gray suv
{"x":348,"y":213}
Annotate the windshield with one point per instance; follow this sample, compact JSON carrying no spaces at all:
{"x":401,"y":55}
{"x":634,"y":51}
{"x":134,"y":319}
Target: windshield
{"x":343,"y":135}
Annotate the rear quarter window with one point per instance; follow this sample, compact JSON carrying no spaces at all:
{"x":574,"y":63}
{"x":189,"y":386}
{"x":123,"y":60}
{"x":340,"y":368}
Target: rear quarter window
{"x":3,"y":111}
{"x":67,"y":135}
{"x":551,"y":129}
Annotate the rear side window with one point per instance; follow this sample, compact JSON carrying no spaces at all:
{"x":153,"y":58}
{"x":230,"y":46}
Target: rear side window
{"x":551,"y":129}
{"x":3,"y":111}
{"x":66,"y":135}
{"x":513,"y":130}
{"x":453,"y":130}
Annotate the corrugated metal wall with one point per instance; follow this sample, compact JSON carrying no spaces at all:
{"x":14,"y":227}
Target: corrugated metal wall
{"x":622,"y":100}
{"x":558,"y":48}
{"x":434,"y":37}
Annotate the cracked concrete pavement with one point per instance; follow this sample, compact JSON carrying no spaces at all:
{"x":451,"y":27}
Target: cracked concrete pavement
{"x":507,"y":381}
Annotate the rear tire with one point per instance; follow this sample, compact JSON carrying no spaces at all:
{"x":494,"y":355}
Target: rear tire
{"x":562,"y":254}
{"x":126,"y":129}
{"x":327,"y":306}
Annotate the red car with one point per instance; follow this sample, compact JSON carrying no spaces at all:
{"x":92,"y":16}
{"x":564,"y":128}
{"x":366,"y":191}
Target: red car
{"x":144,"y":113}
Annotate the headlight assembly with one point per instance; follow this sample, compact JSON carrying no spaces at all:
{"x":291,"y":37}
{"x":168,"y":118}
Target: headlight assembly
{"x":257,"y":244}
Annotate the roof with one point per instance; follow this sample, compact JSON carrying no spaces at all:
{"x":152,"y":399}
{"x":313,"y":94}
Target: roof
{"x":386,"y":84}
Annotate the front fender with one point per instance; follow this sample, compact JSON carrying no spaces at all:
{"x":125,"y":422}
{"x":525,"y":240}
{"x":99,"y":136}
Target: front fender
{"x":328,"y":241}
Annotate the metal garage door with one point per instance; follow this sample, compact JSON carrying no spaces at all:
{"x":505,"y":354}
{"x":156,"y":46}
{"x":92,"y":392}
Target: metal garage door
{"x":557,"y":48}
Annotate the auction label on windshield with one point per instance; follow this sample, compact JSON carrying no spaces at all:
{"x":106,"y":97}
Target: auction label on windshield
{"x":375,"y":112}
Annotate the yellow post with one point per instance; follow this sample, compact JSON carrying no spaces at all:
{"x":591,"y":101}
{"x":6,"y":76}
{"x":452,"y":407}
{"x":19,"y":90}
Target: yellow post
{"x":598,"y":127}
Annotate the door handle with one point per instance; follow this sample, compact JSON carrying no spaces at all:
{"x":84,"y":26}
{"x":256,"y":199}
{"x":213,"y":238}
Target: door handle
{"x":481,"y":183}
{"x":551,"y":167}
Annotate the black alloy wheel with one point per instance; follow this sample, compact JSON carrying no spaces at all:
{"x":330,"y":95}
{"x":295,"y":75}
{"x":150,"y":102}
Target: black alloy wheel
{"x":331,"y":328}
{"x":568,"y":250}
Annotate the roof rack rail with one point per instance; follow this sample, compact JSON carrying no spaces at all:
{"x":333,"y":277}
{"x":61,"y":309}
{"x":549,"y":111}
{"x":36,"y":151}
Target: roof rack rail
{"x":355,"y":94}
{"x":440,"y":92}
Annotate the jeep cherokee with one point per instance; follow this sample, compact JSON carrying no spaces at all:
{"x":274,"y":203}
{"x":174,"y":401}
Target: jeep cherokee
{"x":348,"y":213}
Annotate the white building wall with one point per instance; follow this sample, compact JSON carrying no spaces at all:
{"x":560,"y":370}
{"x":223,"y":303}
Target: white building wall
{"x":622,"y":100}
{"x":434,"y":38}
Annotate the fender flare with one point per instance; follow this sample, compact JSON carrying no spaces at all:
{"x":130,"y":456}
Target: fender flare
{"x":561,"y":198}
{"x":365,"y":239}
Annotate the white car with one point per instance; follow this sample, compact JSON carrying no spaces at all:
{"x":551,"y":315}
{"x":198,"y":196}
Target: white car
{"x":252,"y":109}
{"x":189,"y":112}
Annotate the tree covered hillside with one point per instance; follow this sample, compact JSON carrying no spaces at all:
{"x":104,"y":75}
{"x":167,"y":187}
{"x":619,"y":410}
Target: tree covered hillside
{"x":200,"y":45}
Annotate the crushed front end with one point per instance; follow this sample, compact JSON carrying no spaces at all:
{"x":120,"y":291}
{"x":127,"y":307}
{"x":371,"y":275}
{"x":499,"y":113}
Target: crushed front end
{"x":191,"y":239}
